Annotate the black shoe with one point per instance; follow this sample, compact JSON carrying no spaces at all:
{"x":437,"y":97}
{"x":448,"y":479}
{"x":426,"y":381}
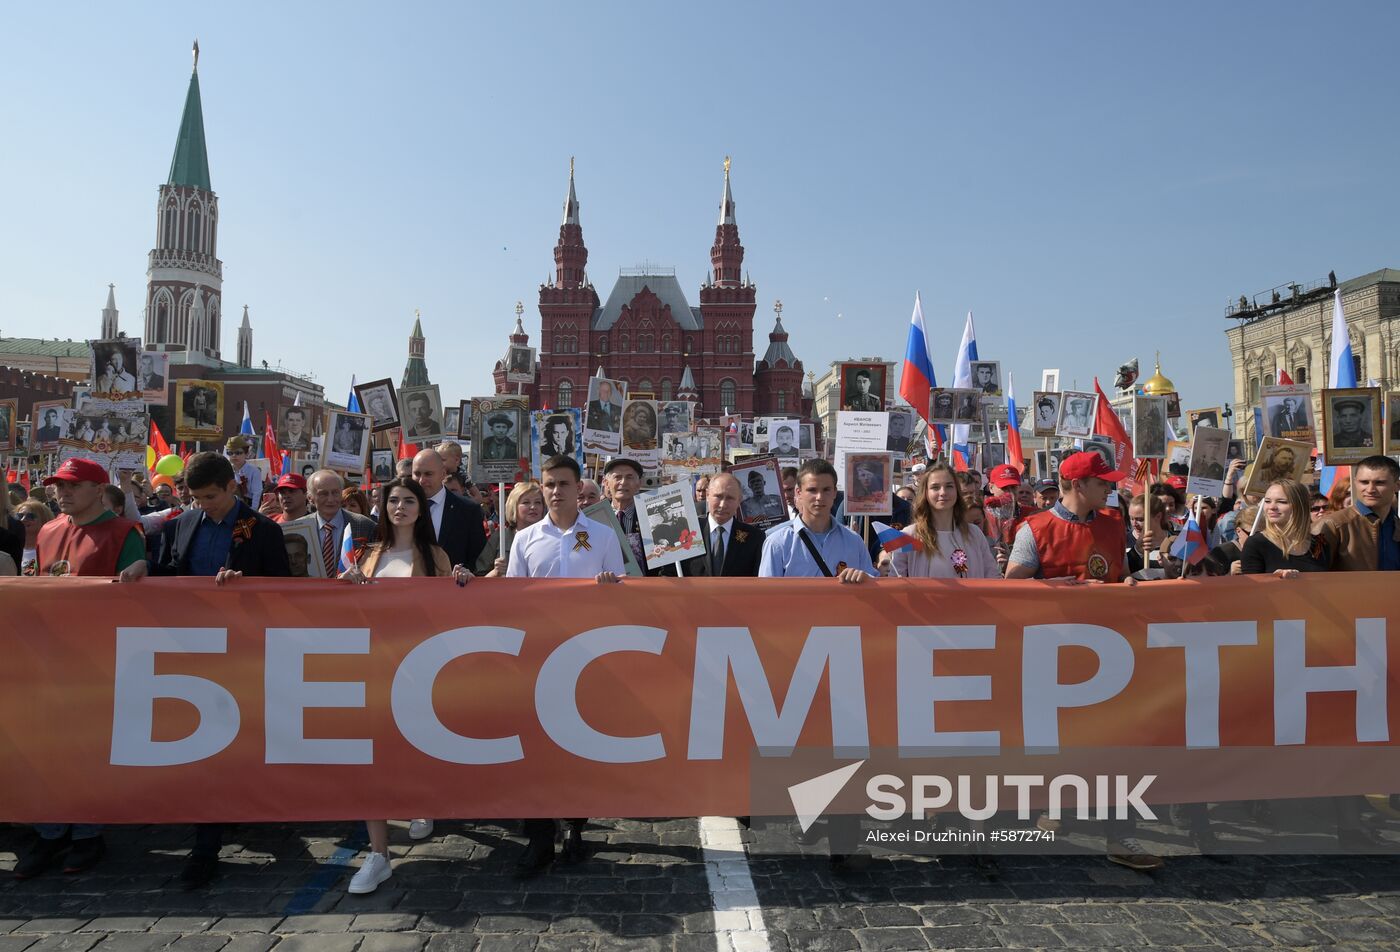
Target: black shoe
{"x":40,"y":856}
{"x":199,"y":871}
{"x":574,"y":850}
{"x":539,"y":853}
{"x":85,"y":854}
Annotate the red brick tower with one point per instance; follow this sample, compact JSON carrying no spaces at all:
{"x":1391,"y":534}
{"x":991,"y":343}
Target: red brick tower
{"x":727,"y":303}
{"x":778,"y":376}
{"x":567,"y":305}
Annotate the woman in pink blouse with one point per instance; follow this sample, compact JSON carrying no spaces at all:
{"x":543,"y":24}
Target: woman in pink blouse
{"x":951,"y":547}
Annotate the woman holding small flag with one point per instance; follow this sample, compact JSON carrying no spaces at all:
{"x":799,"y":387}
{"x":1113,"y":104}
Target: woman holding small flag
{"x":404,"y":549}
{"x":940,"y":543}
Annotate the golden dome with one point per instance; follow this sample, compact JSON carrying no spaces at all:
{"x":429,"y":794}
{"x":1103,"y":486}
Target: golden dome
{"x":1158,"y":385}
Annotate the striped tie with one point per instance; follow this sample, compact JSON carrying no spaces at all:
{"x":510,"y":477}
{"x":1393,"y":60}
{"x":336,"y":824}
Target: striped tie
{"x":328,"y":550}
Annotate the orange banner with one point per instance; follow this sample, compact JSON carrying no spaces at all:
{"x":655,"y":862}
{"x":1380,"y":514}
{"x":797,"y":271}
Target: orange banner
{"x":176,"y":700}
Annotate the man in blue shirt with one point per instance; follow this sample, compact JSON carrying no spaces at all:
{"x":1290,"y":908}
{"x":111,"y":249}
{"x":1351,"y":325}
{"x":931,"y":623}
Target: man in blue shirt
{"x":813,"y":544}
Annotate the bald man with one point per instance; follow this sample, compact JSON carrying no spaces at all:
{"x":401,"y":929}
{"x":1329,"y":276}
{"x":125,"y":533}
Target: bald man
{"x":457,"y":522}
{"x":732,"y":548}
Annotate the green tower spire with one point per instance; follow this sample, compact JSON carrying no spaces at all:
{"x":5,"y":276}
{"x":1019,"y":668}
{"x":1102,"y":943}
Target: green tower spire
{"x":190,"y":165}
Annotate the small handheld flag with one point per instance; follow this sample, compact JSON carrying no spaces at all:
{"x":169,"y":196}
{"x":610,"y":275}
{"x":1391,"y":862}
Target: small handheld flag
{"x":1190,"y":546}
{"x":891,"y":538}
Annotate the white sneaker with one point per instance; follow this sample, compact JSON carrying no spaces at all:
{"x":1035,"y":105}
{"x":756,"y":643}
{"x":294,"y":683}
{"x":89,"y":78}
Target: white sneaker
{"x":420,"y":829}
{"x":372,"y":872}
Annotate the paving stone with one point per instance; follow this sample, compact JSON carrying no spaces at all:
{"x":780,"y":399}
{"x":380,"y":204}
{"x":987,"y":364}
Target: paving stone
{"x":51,"y":926}
{"x":896,"y":939}
{"x":393,"y":942}
{"x":649,"y":925}
{"x":960,"y":937}
{"x":80,"y":942}
{"x":203,"y":942}
{"x":506,"y":942}
{"x":535,"y":922}
{"x":137,"y":941}
{"x":651,"y":943}
{"x":1026,"y":936}
{"x":17,"y":943}
{"x":247,"y":924}
{"x":451,"y":942}
{"x":184,"y":925}
{"x":891,"y":915}
{"x":120,"y":924}
{"x":384,"y":922}
{"x":312,"y":942}
{"x":1104,"y":934}
{"x":318,"y":924}
{"x":251,"y":942}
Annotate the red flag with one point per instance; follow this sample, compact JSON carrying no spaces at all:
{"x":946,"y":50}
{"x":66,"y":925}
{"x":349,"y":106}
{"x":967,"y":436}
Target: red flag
{"x":1107,"y":424}
{"x":184,"y":453}
{"x":1284,"y":379}
{"x":270,"y":449}
{"x":406,"y":450}
{"x":158,"y":443}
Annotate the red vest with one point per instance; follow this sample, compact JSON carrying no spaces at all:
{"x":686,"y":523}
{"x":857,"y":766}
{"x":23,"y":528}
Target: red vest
{"x":90,"y":550}
{"x":1084,"y":550}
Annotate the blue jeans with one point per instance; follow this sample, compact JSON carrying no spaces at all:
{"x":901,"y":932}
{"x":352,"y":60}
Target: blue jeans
{"x":55,"y":831}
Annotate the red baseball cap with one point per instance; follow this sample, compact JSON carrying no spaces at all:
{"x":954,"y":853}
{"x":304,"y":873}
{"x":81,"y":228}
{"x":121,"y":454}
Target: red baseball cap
{"x":78,"y":470}
{"x":292,"y":481}
{"x":1088,"y":465}
{"x":1177,"y":482}
{"x":1004,"y":476}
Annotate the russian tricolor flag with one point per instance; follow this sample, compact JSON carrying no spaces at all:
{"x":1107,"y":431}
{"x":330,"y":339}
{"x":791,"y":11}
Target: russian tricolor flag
{"x":917,"y":379}
{"x":891,"y":538}
{"x":1014,"y":454}
{"x":1190,"y":546}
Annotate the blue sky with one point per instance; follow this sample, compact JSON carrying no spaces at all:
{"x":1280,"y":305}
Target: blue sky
{"x":1092,"y":180}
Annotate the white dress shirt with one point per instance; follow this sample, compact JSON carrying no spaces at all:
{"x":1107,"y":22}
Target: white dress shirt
{"x":546,"y":551}
{"x":436,"y":503}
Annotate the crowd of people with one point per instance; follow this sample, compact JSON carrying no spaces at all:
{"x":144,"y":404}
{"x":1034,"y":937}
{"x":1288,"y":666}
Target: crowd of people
{"x":430,"y":520}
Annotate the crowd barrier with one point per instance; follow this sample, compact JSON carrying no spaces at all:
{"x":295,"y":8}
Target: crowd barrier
{"x":281,"y":700}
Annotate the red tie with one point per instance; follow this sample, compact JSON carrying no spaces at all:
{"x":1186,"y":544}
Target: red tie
{"x":328,"y":550}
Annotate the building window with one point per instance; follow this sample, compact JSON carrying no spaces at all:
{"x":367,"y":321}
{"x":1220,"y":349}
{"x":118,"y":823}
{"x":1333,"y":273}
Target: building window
{"x":622,"y":344}
{"x":1268,"y":380}
{"x":646,"y":343}
{"x":689,"y":343}
{"x":666,"y":343}
{"x":782,"y":399}
{"x":565,"y":396}
{"x":727,"y":399}
{"x":602,"y":345}
{"x":644,"y":385}
{"x":1300,"y":375}
{"x":1253,"y":389}
{"x":666,"y":387}
{"x":1356,"y":369}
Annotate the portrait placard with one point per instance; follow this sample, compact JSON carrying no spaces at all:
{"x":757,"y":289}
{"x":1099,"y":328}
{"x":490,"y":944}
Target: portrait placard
{"x":967,"y":407}
{"x":422,"y":415}
{"x":9,"y":418}
{"x":303,"y":550}
{"x":294,"y":429}
{"x":1173,"y":405}
{"x":993,"y":454}
{"x":1050,"y":381}
{"x":1178,"y":461}
{"x":23,"y":446}
{"x":869,"y":478}
{"x":858,"y":433}
{"x":862,"y":387}
{"x":1392,"y":422}
{"x":1045,"y":407}
{"x":112,"y":370}
{"x":1277,"y":459}
{"x":1210,"y":451}
{"x":1351,"y":424}
{"x":685,"y":455}
{"x":986,"y":377}
{"x":379,"y":399}
{"x":500,"y":435}
{"x":602,"y":421}
{"x":110,"y":432}
{"x":669,"y":524}
{"x":346,"y":441}
{"x":676,"y":416}
{"x":901,"y":433}
{"x":1150,"y":427}
{"x":807,"y":444}
{"x":152,"y":370}
{"x":746,"y":434}
{"x":555,"y":433}
{"x":1288,"y":413}
{"x":464,"y":420}
{"x":731,"y":424}
{"x":47,"y":416}
{"x":381,"y":465}
{"x":641,"y":433}
{"x":199,"y":408}
{"x":761,"y":482}
{"x":1076,"y":418}
{"x":784,"y":436}
{"x":520,"y":364}
{"x":452,"y":421}
{"x":1206,"y":416}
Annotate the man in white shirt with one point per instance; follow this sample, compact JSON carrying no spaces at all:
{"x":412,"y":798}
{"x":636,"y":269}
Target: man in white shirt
{"x":564,"y":544}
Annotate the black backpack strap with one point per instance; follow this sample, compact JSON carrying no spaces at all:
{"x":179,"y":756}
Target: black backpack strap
{"x":807,"y":541}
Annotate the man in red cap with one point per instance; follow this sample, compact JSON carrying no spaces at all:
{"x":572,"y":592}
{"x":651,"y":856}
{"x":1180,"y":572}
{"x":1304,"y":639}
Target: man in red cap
{"x":1075,"y":538}
{"x":87,"y":538}
{"x":291,"y":491}
{"x":1007,"y":511}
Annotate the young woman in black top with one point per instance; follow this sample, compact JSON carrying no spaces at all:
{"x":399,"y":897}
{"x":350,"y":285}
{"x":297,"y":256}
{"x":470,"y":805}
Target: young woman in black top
{"x":1285,"y":545}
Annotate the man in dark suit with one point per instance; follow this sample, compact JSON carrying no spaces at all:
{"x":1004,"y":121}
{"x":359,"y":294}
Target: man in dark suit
{"x":732,"y":548}
{"x":457,"y":521}
{"x":603,"y":413}
{"x":332,"y":520}
{"x":226,"y":539}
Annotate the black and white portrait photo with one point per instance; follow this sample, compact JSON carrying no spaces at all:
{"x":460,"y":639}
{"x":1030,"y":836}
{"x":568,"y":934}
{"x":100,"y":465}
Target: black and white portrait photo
{"x":863,"y":387}
{"x":294,"y":430}
{"x":639,"y":426}
{"x":1045,"y":412}
{"x":422,"y":414}
{"x":941,"y":405}
{"x":452,"y":422}
{"x":967,"y":406}
{"x":502,"y":449}
{"x":1352,"y":424}
{"x":1076,"y":414}
{"x":762,"y":485}
{"x":783,"y":437}
{"x":381,"y":465}
{"x":986,"y":377}
{"x":48,"y":423}
{"x":379,"y":399}
{"x":151,"y":370}
{"x":602,"y":422}
{"x":346,"y":441}
{"x":520,"y":364}
{"x":114,"y":365}
{"x":1208,"y":416}
{"x":199,"y":405}
{"x":1150,"y":427}
{"x":555,"y":433}
{"x":676,"y":416}
{"x":1288,"y":415}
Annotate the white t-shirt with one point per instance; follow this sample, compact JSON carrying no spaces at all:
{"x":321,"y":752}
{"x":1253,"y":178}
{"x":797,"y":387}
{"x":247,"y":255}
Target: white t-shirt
{"x":582,"y":551}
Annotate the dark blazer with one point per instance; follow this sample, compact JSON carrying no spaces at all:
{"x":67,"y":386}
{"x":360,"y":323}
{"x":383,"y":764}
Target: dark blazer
{"x":462,"y":535}
{"x":743,"y":548}
{"x":262,"y":554}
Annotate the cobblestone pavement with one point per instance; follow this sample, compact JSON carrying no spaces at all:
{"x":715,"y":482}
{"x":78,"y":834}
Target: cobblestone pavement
{"x":646,"y":888}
